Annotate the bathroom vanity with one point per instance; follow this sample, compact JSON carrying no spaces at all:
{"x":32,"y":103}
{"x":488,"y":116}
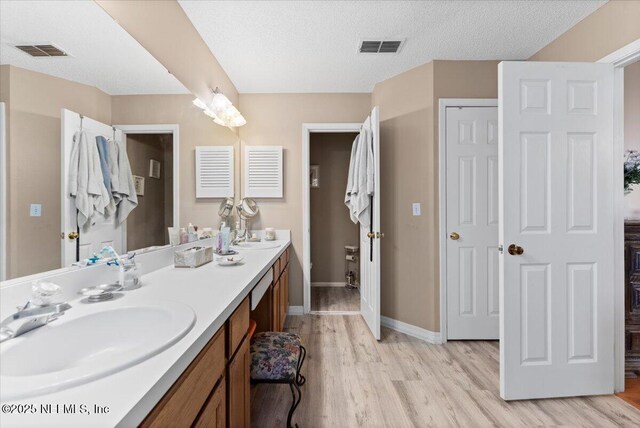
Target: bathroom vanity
{"x":203,"y":378}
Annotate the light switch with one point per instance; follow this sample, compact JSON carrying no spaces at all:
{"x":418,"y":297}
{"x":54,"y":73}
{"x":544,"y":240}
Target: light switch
{"x":36,"y":210}
{"x":416,"y":209}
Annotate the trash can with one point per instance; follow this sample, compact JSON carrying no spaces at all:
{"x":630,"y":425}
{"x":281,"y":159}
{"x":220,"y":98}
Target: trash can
{"x":352,"y":266}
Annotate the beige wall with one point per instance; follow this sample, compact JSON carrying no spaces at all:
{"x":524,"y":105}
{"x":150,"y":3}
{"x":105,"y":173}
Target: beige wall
{"x":276,"y":119}
{"x":33,"y":159}
{"x":331,"y":226}
{"x":163,"y":29}
{"x":609,"y":28}
{"x":632,"y":130}
{"x":147,"y":224}
{"x":409,"y":145}
{"x":195,"y":128}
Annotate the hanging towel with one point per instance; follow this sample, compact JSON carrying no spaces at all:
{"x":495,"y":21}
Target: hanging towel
{"x":364,"y":185}
{"x":114,"y":170}
{"x":103,"y":152}
{"x":86,"y":183}
{"x":351,"y":179}
{"x":126,"y":191}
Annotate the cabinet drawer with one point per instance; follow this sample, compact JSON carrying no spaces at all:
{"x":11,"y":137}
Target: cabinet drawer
{"x":239,"y":391}
{"x":214,"y":414}
{"x":276,"y":269}
{"x":238,"y":325}
{"x":182,"y":403}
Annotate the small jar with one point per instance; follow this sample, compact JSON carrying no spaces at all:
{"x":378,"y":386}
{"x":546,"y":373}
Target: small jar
{"x":270,"y":234}
{"x":130,"y":275}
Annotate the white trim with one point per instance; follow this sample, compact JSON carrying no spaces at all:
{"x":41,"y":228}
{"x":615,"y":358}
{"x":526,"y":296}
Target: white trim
{"x":3,"y":193}
{"x":327,"y":284}
{"x":173,"y":129}
{"x":411,"y":330}
{"x":307,"y":129}
{"x":334,"y":313}
{"x":442,"y":193}
{"x":622,"y":57}
{"x":295,"y":310}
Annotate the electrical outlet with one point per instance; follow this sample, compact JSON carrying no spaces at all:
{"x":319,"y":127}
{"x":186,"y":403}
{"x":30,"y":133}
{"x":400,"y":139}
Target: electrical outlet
{"x":417,"y":209}
{"x":36,"y":210}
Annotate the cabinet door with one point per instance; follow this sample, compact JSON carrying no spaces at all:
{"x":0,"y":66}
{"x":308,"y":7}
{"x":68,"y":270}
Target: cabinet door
{"x":275,"y":308}
{"x":214,"y":413}
{"x":284,"y":296}
{"x":239,"y":404}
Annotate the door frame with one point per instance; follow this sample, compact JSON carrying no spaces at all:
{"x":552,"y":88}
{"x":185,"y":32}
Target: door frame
{"x":173,"y":129}
{"x":442,"y":193}
{"x":620,"y":58}
{"x":3,"y":192}
{"x":307,"y":129}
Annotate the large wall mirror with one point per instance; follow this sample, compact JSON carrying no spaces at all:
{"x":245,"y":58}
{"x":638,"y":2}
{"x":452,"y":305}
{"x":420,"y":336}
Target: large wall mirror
{"x":75,"y":89}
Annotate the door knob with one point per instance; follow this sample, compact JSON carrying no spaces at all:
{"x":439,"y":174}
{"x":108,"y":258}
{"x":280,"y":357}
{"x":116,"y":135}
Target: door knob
{"x":515,"y":250}
{"x":73,"y":235}
{"x":454,"y":236}
{"x":371,"y":235}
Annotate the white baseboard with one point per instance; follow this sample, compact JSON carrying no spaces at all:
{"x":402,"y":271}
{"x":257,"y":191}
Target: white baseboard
{"x":327,"y":284}
{"x":296,"y":310}
{"x":412,"y":330}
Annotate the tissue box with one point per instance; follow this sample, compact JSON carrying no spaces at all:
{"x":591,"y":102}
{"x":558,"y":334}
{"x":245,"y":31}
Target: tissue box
{"x":193,"y":257}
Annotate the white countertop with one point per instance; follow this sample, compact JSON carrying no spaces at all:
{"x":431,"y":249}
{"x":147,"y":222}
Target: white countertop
{"x":212,"y":291}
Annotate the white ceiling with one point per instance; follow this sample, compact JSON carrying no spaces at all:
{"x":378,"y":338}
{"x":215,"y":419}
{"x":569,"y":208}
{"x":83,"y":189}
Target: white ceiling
{"x":311,"y":46}
{"x":103,"y":54}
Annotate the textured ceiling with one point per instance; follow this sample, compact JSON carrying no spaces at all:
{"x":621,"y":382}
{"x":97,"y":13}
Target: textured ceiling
{"x":102,"y":53}
{"x":311,"y":46}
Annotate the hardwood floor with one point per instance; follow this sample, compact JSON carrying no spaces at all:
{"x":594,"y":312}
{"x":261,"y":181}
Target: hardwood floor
{"x":631,"y":392}
{"x":335,"y":299}
{"x":354,"y":381}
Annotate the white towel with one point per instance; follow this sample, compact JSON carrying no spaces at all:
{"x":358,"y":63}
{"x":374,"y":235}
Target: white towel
{"x":351,"y":179}
{"x":114,"y":170}
{"x":86,"y":183}
{"x":360,"y":199}
{"x":126,"y":191}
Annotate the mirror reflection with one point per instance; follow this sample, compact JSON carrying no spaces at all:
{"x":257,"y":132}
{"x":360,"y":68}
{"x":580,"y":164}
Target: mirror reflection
{"x":88,"y":159}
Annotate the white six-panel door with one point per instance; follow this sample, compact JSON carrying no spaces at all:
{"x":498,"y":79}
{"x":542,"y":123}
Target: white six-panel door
{"x":370,"y":239}
{"x":556,"y":213}
{"x":472,"y":222}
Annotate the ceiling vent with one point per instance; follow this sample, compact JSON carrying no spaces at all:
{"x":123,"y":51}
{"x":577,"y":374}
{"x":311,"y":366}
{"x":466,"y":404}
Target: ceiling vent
{"x":369,"y":46}
{"x":42,"y":51}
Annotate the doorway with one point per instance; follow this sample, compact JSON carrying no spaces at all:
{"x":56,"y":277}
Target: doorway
{"x":335,"y":265}
{"x":151,"y":160}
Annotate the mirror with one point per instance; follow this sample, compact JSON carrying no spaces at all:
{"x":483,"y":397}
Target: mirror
{"x":248,"y":208}
{"x":91,"y":76}
{"x":226,"y":208}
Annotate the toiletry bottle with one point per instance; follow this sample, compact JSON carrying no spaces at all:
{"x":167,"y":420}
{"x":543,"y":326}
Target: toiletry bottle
{"x":184,"y":237}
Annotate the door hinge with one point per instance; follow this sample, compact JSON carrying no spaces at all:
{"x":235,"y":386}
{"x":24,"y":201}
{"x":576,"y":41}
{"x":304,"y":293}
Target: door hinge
{"x":500,"y":249}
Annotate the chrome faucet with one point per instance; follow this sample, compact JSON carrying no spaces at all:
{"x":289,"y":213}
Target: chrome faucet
{"x":30,"y":317}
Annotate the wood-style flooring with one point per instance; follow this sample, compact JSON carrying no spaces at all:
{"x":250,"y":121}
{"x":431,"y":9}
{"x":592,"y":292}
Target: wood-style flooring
{"x":335,"y":299}
{"x":355,"y":381}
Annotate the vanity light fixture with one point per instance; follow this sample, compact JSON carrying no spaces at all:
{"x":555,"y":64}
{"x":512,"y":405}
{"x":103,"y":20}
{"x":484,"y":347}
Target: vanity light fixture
{"x":221,"y":110}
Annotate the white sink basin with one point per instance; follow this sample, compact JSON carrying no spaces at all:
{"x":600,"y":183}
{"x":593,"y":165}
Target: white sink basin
{"x":262,"y":245}
{"x":88,"y":346}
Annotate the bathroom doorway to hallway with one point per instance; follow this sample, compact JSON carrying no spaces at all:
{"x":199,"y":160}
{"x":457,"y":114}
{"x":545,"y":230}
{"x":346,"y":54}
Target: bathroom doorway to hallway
{"x":335,"y":253}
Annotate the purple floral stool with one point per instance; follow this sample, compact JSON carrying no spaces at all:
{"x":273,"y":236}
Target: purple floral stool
{"x":277,"y":357}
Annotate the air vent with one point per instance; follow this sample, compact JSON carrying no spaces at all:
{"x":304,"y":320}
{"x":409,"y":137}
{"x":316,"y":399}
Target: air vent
{"x":41,"y":51}
{"x":380,"y":46}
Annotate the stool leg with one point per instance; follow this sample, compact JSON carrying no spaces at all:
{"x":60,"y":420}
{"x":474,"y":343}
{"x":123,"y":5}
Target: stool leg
{"x":300,"y":380}
{"x":296,"y":400}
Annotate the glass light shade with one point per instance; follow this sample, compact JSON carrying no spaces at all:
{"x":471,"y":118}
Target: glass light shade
{"x":199,"y":103}
{"x":215,"y":118}
{"x":220,"y":104}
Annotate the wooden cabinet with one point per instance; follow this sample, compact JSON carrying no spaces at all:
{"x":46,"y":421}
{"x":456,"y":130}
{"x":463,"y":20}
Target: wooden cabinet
{"x":238,"y":326}
{"x":284,"y":296}
{"x":183,"y":402}
{"x":632,"y":298}
{"x":275,"y":305}
{"x":238,"y":402}
{"x":215,"y":410}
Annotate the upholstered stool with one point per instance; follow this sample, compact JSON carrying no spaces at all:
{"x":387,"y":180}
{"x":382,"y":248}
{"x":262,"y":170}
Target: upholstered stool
{"x":277,"y":357}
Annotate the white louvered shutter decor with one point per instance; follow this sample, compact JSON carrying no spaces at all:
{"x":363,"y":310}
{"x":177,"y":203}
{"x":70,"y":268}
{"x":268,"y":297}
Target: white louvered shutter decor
{"x":263,"y":172}
{"x":214,"y":172}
